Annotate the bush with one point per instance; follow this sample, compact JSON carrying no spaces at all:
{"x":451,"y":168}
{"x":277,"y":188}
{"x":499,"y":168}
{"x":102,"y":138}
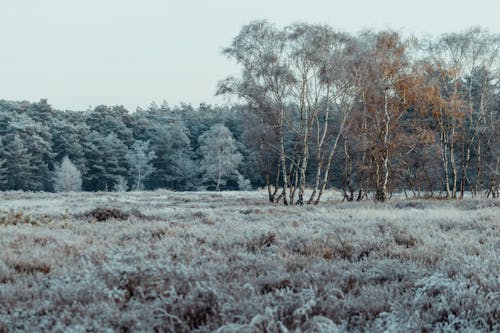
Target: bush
{"x":101,"y":214}
{"x":15,"y":218}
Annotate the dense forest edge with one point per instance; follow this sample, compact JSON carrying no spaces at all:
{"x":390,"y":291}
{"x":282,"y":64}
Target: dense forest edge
{"x":369,"y":114}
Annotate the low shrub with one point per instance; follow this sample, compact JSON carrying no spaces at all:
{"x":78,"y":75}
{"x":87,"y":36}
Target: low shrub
{"x":14,"y":218}
{"x":102,"y":214}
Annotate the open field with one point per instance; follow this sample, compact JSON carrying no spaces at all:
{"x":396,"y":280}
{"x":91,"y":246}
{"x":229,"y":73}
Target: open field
{"x":231,"y":262}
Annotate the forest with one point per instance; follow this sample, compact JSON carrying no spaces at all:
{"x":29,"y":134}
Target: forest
{"x":370,"y":114}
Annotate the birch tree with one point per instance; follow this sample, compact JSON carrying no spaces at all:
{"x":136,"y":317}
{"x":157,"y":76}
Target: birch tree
{"x":387,"y":83}
{"x":139,"y":158}
{"x":466,"y":63}
{"x":259,"y":49}
{"x":289,"y":78}
{"x":220,"y":156}
{"x":319,"y":88}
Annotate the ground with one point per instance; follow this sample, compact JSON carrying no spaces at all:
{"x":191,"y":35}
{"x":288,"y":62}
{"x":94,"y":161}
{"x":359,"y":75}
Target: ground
{"x":231,"y":262}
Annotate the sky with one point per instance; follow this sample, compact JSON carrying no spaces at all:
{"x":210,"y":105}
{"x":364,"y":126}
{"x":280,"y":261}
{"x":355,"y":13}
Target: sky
{"x":82,"y":53}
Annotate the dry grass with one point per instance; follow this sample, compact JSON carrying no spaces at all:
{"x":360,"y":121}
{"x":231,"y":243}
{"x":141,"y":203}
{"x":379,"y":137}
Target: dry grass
{"x":230,"y":262}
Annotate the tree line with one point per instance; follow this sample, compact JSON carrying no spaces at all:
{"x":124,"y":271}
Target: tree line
{"x":379,"y":111}
{"x":369,"y":114}
{"x":181,"y":148}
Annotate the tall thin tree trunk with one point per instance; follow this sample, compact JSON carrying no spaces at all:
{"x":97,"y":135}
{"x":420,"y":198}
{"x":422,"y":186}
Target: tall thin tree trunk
{"x":319,"y":149}
{"x":382,"y":183}
{"x":478,"y":181}
{"x":283,"y":156}
{"x":294,"y":170}
{"x":348,"y":172}
{"x":303,"y":167}
{"x":219,"y":170}
{"x":453,"y":167}
{"x":327,"y":167}
{"x":465,"y":166}
{"x":444,"y":159}
{"x":331,"y":155}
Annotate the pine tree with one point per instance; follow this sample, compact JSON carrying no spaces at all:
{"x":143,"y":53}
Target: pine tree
{"x":67,"y":178}
{"x":173,"y":156}
{"x":3,"y":168}
{"x":93,"y":179}
{"x":40,"y":151}
{"x":67,"y":141}
{"x":36,"y":139}
{"x":18,"y":164}
{"x":116,"y":162}
{"x":106,"y":161}
{"x":111,"y":120}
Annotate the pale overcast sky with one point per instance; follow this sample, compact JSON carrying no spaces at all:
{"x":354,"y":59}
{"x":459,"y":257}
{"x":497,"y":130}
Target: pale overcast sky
{"x":82,"y":53}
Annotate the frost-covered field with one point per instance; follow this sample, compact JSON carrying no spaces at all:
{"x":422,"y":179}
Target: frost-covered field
{"x":231,"y":262}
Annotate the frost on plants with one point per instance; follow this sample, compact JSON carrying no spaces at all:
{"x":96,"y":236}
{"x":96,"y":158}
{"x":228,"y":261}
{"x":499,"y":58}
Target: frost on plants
{"x":229,"y":262}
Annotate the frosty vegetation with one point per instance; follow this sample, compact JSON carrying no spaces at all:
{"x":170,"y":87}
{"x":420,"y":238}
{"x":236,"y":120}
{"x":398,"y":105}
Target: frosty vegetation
{"x":230,"y":262}
{"x":67,"y":177}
